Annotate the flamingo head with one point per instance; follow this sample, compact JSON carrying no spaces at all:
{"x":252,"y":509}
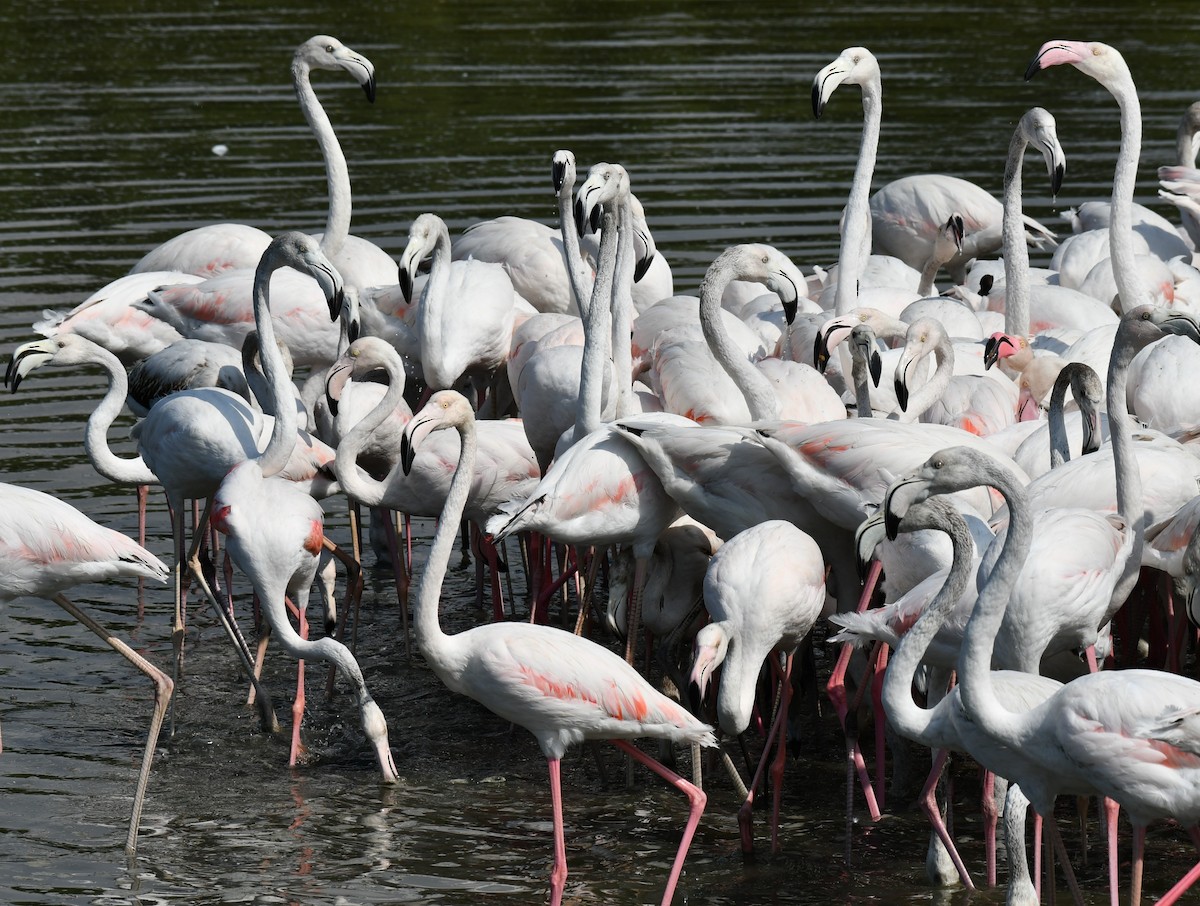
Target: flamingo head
{"x":324,"y":52}
{"x":708,"y":653}
{"x":854,"y":66}
{"x":866,"y":538}
{"x":445,"y":409}
{"x":864,"y":347}
{"x":1038,"y":127}
{"x":1001,"y":345}
{"x":606,"y":185}
{"x":562,"y":170}
{"x":426,"y":232}
{"x":1100,"y":61}
{"x":945,"y":472}
{"x":64,"y":349}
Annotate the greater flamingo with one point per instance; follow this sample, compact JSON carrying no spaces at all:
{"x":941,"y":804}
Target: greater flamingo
{"x":561,"y":687}
{"x":764,"y":590}
{"x":275,"y":535}
{"x":47,"y":546}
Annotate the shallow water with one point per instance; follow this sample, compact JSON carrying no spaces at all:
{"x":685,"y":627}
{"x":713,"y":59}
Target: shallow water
{"x":111,"y":112}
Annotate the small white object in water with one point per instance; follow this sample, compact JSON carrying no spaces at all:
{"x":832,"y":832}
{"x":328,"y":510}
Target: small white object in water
{"x":220,"y":150}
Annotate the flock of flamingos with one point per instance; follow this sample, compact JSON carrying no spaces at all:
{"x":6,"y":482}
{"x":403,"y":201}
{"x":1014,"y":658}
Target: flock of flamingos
{"x":1012,"y":461}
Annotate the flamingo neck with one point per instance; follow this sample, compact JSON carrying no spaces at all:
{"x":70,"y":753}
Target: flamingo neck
{"x":95,"y":437}
{"x":760,"y":396}
{"x":931,"y":391}
{"x":856,"y":226}
{"x":279,"y":385}
{"x":1128,"y":475}
{"x":975,"y":659}
{"x":434,"y":643}
{"x":1016,"y":253}
{"x":1120,"y":236}
{"x":577,"y":270}
{"x":1060,"y":445}
{"x":860,"y":375}
{"x":337,"y":176}
{"x":622,"y":309}
{"x":356,"y":482}
{"x":597,"y":329}
{"x":432,"y":316}
{"x":909,"y":719}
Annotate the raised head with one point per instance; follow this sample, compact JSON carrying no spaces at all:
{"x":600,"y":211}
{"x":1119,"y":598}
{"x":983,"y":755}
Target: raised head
{"x":64,"y":349}
{"x":945,"y":472}
{"x":1100,"y":61}
{"x":854,"y":66}
{"x":300,"y":251}
{"x":423,"y":237}
{"x":362,"y":357}
{"x":606,"y":184}
{"x":324,"y":52}
{"x":1039,"y":129}
{"x":759,"y":263}
{"x":445,"y":409}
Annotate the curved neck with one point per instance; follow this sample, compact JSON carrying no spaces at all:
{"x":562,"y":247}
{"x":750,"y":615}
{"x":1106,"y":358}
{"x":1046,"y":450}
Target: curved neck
{"x":1016,"y":253}
{"x":577,"y":269}
{"x":433,"y":642}
{"x":433,"y":297}
{"x":1120,"y":236}
{"x":1129,"y":476}
{"x":975,"y":658}
{"x":759,"y":394}
{"x":337,"y":176}
{"x":356,"y":482}
{"x":622,"y":305}
{"x":95,"y":437}
{"x":279,"y":385}
{"x":911,"y":720}
{"x":856,"y":224}
{"x":597,"y":327}
{"x":1060,"y":446}
{"x":932,"y":390}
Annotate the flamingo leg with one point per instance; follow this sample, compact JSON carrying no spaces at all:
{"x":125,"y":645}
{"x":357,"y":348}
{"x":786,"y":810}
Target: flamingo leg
{"x":1139,"y":851}
{"x":1181,"y":887}
{"x":697,"y":799}
{"x":1111,"y":810}
{"x":177,"y":624}
{"x":298,"y":702}
{"x":745,"y":813}
{"x":585,"y":599}
{"x":991,"y":820}
{"x":1068,"y":871}
{"x":354,"y":589}
{"x":558,"y":875}
{"x":880,"y":725}
{"x":163,"y":688}
{"x":402,"y":583}
{"x":634,"y":620}
{"x":929,"y":805}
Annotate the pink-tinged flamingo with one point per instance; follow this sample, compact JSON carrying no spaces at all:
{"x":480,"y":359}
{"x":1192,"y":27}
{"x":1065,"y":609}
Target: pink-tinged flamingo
{"x":220,"y":248}
{"x":47,"y":546}
{"x":561,"y":687}
{"x":190,"y":440}
{"x":764,"y":590}
{"x":275,"y":536}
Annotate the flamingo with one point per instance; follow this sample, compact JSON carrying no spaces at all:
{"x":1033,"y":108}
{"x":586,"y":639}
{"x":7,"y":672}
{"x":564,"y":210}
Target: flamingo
{"x":48,"y":546}
{"x":465,"y":321}
{"x":1054,"y":442}
{"x":854,"y":66}
{"x":561,"y":687}
{"x":275,"y":536}
{"x":764,"y":590}
{"x":190,"y":440}
{"x":219,"y":248}
{"x":1187,"y":146}
{"x":738,"y":391}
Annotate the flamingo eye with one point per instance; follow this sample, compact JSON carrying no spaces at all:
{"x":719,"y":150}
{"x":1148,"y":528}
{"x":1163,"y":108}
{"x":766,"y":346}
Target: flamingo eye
{"x":764,"y":259}
{"x":329,"y":48}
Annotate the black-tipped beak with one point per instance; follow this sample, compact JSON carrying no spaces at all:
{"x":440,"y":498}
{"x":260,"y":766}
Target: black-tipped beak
{"x":353,"y":330}
{"x":991,"y":352}
{"x":406,"y":285}
{"x":821,"y":350}
{"x":336,"y":301}
{"x":577,"y":210}
{"x":368,"y":88}
{"x":558,"y":175}
{"x":407,"y":453}
{"x":902,"y":394}
{"x":891,"y":519}
{"x":8,"y":372}
{"x":790,"y":309}
{"x":957,"y":229}
{"x":875,"y":364}
{"x":643,"y":265}
{"x":986,"y":282}
{"x":817,"y":104}
{"x":1056,"y":180}
{"x":1035,"y":65}
{"x":1183,"y":326}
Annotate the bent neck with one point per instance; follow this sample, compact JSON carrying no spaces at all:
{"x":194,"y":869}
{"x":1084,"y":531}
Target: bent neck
{"x":1130,"y":503}
{"x":356,"y":482}
{"x":287,"y":424}
{"x":95,"y":437}
{"x":931,"y":391}
{"x":760,"y":396}
{"x":337,"y":176}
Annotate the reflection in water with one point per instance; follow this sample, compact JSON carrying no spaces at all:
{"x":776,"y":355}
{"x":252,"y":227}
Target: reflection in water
{"x":106,"y":151}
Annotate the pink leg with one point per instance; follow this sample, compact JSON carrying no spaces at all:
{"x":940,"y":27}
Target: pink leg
{"x":401,"y":577}
{"x":633,"y":623}
{"x":298,"y":704}
{"x":778,"y":729}
{"x":1037,"y":855}
{"x":1139,"y":850}
{"x":1111,"y":811}
{"x":1173,"y":895}
{"x":836,"y":690}
{"x":697,"y":799}
{"x":558,"y":875}
{"x":488,"y":550}
{"x":929,"y":806}
{"x":880,"y":725}
{"x":991,"y":818}
{"x":1068,"y":871}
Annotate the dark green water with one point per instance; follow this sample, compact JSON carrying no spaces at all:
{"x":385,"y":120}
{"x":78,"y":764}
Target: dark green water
{"x":110,"y":113}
